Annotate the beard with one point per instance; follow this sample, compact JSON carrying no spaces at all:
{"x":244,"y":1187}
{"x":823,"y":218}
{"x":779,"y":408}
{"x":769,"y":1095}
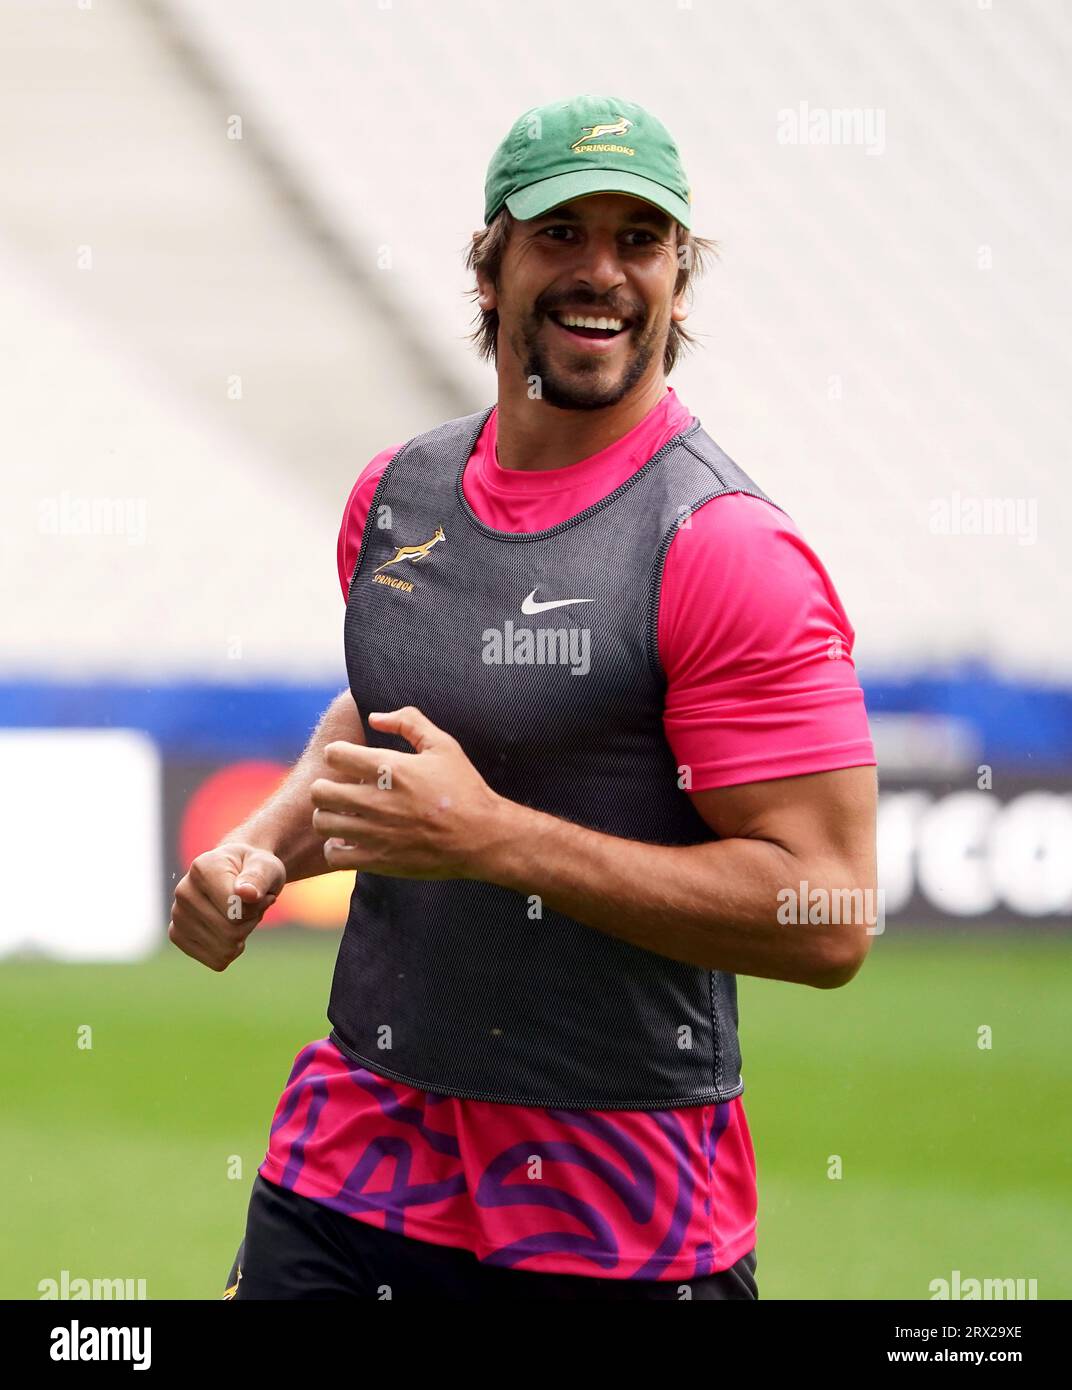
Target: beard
{"x":583,"y":386}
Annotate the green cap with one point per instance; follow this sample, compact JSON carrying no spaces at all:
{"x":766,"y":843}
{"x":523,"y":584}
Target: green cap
{"x":589,"y":144}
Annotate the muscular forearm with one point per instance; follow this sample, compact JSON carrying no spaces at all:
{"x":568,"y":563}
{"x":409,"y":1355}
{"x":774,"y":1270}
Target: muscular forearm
{"x":284,"y":825}
{"x":714,"y":905}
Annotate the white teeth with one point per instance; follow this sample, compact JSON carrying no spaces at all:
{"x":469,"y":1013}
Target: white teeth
{"x":577,"y":321}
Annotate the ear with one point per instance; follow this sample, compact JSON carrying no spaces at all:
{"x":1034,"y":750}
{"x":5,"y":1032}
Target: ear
{"x":487,"y":299}
{"x":679,"y":311}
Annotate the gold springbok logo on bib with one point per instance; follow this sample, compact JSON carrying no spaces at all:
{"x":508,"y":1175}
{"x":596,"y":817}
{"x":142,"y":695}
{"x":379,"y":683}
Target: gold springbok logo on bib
{"x":413,"y":552}
{"x":406,"y":552}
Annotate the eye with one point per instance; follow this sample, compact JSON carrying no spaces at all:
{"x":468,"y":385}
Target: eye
{"x":565,"y":233}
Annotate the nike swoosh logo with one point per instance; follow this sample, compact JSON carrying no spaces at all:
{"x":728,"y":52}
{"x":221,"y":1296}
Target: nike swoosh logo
{"x":530,"y":606}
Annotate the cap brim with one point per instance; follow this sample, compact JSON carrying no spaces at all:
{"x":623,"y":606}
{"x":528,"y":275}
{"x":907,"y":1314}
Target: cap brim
{"x":541,"y":197}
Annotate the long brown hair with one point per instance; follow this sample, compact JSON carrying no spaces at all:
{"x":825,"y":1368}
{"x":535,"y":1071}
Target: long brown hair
{"x":485,"y":254}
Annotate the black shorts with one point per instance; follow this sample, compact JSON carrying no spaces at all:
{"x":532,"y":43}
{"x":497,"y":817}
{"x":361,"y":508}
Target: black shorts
{"x":298,"y":1248}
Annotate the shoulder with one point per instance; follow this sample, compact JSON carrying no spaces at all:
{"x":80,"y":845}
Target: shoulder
{"x":739,"y":577}
{"x":736,"y":527}
{"x":367,"y":480}
{"x":355,"y":513}
{"x":740,"y":537}
{"x":757,"y":651}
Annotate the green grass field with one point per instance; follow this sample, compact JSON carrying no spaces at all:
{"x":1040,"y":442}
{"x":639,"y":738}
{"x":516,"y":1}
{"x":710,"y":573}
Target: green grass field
{"x":116,"y":1158}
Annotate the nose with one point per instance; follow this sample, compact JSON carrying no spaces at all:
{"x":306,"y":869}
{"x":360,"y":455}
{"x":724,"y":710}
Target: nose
{"x":599,"y":264}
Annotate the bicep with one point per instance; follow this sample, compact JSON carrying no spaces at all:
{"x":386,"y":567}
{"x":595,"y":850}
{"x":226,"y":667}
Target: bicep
{"x":822,"y":817}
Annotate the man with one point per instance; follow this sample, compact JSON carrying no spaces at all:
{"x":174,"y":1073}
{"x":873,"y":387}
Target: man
{"x":602,"y":720}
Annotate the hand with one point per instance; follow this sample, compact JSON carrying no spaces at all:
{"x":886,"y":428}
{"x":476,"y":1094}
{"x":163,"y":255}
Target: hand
{"x":223,"y":897}
{"x":427,"y":814}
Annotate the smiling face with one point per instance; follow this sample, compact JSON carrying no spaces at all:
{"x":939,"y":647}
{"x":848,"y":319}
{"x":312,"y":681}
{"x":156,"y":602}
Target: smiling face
{"x":586,"y":297}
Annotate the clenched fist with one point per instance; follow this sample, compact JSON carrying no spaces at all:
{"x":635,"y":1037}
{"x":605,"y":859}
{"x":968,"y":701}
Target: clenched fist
{"x":223,"y":897}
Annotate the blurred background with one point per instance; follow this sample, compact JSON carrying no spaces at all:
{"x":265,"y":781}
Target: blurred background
{"x":231,"y":265}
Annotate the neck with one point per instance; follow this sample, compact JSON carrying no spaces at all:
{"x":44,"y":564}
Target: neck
{"x":533,"y":436}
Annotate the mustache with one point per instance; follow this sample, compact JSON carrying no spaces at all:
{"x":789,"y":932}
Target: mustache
{"x":579,"y":301}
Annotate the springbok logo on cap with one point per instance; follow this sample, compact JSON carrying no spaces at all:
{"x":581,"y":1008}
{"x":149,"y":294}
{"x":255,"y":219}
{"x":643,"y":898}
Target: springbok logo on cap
{"x":595,"y":132}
